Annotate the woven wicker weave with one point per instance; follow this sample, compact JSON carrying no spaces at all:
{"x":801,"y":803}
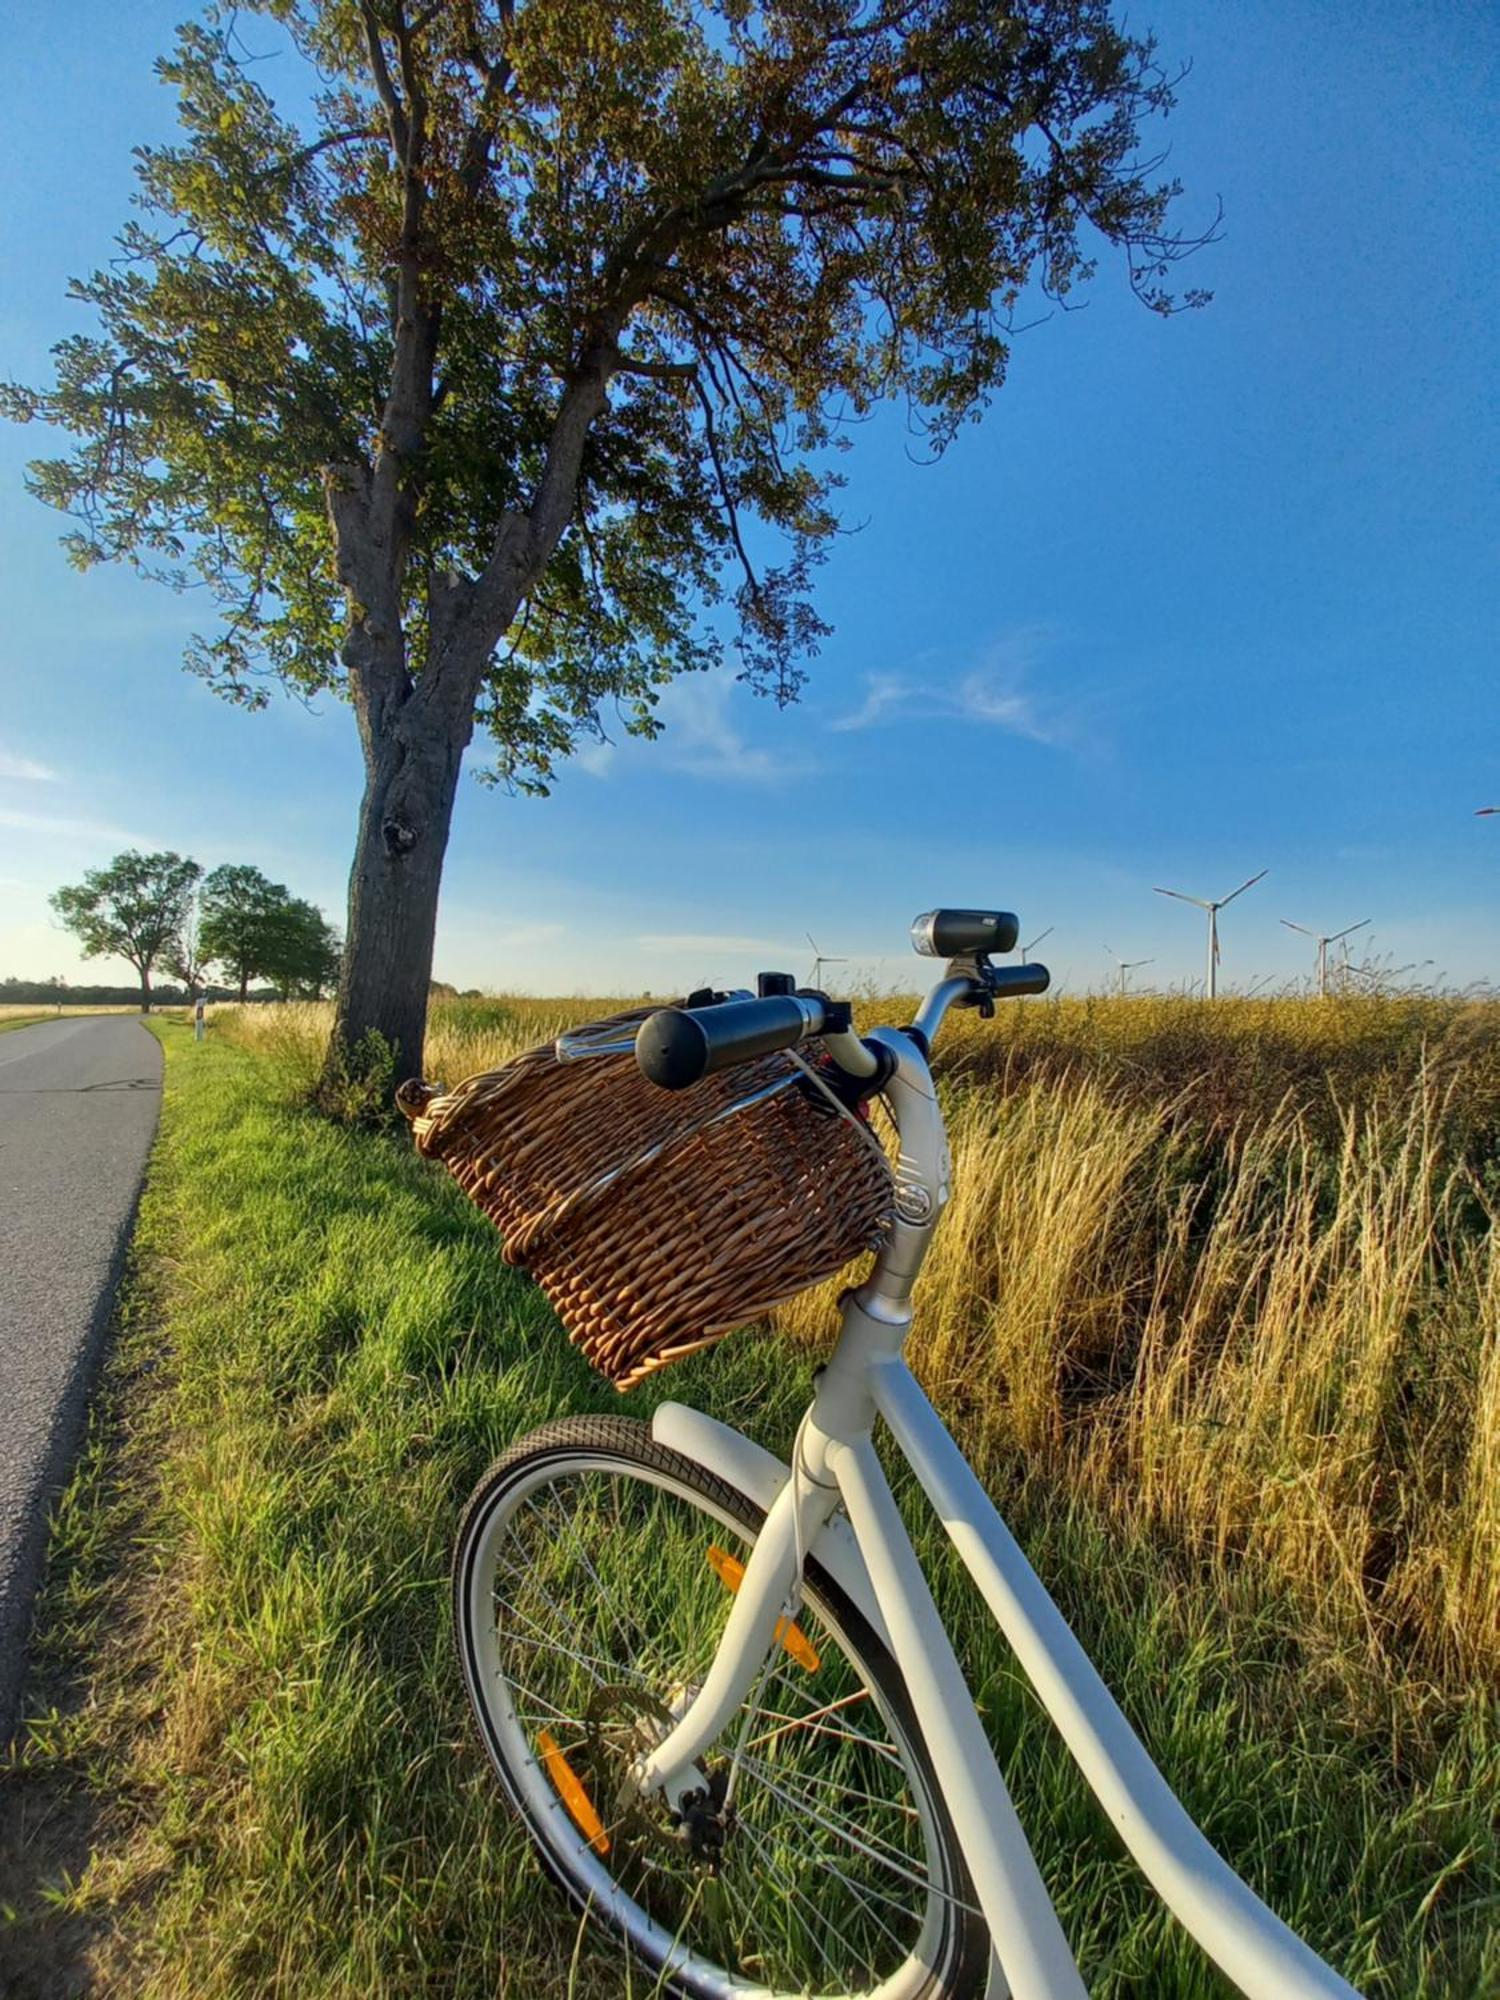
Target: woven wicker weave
{"x":658,"y":1221}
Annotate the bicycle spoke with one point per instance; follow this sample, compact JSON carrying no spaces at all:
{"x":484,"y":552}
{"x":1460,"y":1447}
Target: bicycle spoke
{"x":602,"y":1594}
{"x":824,"y":1921}
{"x":891,"y":1859}
{"x":869,"y":1743}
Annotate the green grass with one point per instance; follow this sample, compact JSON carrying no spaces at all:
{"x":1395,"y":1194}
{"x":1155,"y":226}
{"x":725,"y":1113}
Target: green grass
{"x":246,"y":1677}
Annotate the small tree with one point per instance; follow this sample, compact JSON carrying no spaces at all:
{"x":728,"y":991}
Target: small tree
{"x":185,"y":957}
{"x":466,"y":401}
{"x":240,"y":910}
{"x":134,"y":909}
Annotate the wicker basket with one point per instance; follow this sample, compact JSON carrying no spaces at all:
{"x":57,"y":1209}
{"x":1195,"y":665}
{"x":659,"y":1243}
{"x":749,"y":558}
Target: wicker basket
{"x":658,"y":1221}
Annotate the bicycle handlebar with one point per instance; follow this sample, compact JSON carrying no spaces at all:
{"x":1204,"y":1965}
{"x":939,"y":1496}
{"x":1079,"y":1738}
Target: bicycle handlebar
{"x":1006,"y":981}
{"x":677,"y":1047}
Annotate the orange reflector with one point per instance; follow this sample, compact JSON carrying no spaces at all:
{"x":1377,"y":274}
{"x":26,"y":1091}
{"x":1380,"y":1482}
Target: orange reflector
{"x":731,"y":1573}
{"x":571,"y":1792}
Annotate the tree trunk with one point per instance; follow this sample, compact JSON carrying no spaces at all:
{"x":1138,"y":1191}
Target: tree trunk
{"x":411,"y":779}
{"x":244,"y":983}
{"x":145,"y":972}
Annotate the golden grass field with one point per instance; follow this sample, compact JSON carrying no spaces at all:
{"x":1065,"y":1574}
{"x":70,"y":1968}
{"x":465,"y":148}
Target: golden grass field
{"x":1229,"y":1270}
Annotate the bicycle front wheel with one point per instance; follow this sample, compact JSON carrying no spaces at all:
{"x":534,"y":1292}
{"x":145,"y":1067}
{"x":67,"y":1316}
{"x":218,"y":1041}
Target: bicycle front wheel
{"x":592,"y":1579}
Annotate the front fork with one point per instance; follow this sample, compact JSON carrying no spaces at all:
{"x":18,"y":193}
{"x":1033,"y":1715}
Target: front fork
{"x":768,"y":1593}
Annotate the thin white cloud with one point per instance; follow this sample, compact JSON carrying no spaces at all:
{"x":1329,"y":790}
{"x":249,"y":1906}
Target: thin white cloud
{"x":24,"y":770}
{"x":466,"y":923}
{"x":701,"y":738}
{"x":519,"y":934}
{"x":885,"y":694}
{"x":710,"y":941}
{"x":61,"y":828}
{"x":983,"y":698}
{"x":993,"y":694}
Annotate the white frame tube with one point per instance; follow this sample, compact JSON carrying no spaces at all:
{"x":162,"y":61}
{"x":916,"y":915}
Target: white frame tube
{"x":1245,"y":1939}
{"x":1024,"y":1931}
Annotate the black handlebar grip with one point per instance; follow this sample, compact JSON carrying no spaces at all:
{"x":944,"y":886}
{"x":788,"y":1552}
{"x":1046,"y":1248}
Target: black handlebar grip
{"x":678,"y":1046}
{"x":1007,"y":981}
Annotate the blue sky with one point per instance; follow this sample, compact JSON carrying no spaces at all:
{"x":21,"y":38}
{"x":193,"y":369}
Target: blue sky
{"x":1197,"y":598}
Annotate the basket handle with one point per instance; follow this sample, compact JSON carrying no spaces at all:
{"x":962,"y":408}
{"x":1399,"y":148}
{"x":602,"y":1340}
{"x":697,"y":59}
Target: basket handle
{"x":575,"y":1045}
{"x":617,"y":1037}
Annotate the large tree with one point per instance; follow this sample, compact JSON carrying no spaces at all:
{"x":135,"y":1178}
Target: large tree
{"x":471,"y":392}
{"x":134,"y":909}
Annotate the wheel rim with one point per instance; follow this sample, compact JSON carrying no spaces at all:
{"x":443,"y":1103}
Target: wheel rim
{"x":591,"y":1607}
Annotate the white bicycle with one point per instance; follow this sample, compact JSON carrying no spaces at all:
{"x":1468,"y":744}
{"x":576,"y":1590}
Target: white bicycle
{"x":717,"y":1688}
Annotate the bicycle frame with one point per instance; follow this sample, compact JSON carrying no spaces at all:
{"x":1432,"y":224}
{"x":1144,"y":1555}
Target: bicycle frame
{"x":873,"y":1558}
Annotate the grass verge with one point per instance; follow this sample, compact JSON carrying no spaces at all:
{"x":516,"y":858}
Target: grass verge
{"x":247,"y":1712}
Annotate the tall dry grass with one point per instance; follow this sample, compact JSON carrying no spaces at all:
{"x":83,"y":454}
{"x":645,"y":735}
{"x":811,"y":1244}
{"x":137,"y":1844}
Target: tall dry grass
{"x":1285,"y":1353}
{"x":1229,"y":1271}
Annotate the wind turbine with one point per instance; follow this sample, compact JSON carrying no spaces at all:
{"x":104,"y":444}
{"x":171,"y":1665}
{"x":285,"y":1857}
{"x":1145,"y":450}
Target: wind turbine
{"x":1483,"y":812}
{"x":1037,"y":940}
{"x":820,"y":959}
{"x":1213,"y":908}
{"x":1126,"y":965}
{"x":1323,"y":943}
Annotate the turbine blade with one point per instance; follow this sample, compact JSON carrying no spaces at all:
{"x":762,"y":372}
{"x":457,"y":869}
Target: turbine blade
{"x":1185,"y":899}
{"x":1243,"y":887}
{"x":1298,"y":927}
{"x":1350,"y":931}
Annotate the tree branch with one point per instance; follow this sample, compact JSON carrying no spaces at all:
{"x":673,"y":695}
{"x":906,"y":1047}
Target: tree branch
{"x":730,"y":510}
{"x":385,"y":87}
{"x":475,"y":157}
{"x":300,"y":158}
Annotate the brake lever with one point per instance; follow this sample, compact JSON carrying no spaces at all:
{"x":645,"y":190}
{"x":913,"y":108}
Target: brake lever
{"x":976,"y":968}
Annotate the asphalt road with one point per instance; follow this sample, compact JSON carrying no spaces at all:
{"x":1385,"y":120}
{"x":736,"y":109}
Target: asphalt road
{"x":78,"y":1109}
